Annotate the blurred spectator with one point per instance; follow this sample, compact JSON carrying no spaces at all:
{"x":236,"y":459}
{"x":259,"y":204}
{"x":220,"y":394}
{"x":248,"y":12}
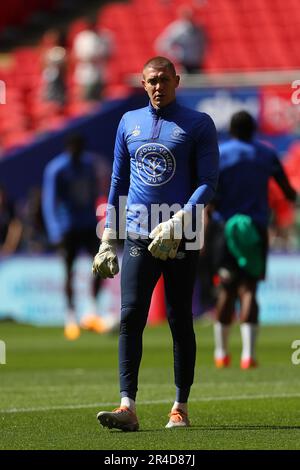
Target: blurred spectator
{"x":34,"y":237}
{"x":10,"y":226}
{"x":91,"y":49}
{"x":70,"y":191}
{"x":183,"y":41}
{"x":54,"y":68}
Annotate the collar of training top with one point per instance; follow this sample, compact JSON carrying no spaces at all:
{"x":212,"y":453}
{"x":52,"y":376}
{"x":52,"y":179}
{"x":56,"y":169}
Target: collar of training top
{"x":164,"y":110}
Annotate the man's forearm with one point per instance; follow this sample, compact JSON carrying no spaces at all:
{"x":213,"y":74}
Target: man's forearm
{"x":286,"y":188}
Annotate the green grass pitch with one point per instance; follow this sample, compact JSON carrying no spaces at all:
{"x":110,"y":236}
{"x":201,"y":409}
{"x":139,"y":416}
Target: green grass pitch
{"x":51,"y":390}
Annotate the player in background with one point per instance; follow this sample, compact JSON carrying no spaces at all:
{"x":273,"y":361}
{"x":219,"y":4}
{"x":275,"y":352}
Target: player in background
{"x":241,"y":207}
{"x":155,"y":149}
{"x":70,"y":190}
{"x":11,"y":226}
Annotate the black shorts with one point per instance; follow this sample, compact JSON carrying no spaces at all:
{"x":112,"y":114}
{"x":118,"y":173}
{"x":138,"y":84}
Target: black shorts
{"x":76,"y":241}
{"x":225,"y":260}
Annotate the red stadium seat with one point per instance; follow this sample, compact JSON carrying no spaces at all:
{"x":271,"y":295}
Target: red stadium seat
{"x":243,"y":36}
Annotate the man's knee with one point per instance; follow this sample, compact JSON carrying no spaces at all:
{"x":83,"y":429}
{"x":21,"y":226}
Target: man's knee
{"x":133,"y":318}
{"x":182,"y":326}
{"x":225,"y":307}
{"x":227,"y":279}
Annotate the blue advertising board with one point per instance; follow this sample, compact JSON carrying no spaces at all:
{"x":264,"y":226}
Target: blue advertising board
{"x":31,"y":290}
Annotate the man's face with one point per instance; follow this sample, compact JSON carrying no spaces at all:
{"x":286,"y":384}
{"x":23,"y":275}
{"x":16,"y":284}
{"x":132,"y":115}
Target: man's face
{"x":160,"y":83}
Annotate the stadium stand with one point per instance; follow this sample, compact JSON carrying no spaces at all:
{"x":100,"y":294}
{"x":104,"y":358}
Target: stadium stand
{"x":16,"y":12}
{"x":236,"y":44}
{"x":236,"y":41}
{"x":237,"y":51}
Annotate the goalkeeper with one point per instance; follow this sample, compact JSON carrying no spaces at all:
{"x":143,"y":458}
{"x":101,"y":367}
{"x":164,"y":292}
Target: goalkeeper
{"x":159,"y":150}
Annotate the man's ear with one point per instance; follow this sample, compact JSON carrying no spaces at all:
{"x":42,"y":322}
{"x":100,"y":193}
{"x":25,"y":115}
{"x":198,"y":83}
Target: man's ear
{"x":177,"y":80}
{"x":144,"y":83}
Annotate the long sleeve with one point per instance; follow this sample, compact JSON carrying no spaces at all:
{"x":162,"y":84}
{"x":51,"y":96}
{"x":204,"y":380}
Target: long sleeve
{"x":207,"y":164}
{"x":49,"y":205}
{"x":120,"y":178}
{"x":281,"y":179}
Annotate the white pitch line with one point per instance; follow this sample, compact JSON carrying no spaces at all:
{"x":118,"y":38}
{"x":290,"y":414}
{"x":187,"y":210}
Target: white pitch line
{"x":146,"y":402}
{"x":54,"y":388}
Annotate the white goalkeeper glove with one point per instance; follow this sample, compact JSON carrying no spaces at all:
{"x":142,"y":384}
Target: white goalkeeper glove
{"x":167,"y":237}
{"x":106,"y":260}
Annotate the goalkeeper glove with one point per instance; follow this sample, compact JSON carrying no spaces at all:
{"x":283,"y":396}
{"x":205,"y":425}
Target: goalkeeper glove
{"x":106,"y":260}
{"x":167,"y":237}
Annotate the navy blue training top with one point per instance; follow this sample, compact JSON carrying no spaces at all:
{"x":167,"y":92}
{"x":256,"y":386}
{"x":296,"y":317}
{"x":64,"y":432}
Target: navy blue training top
{"x":245,"y":170}
{"x":163,"y":156}
{"x":69,"y":195}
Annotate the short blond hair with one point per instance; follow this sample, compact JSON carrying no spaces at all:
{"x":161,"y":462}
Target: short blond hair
{"x":160,"y":62}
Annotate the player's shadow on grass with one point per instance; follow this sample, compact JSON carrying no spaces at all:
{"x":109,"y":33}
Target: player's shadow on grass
{"x":240,"y":427}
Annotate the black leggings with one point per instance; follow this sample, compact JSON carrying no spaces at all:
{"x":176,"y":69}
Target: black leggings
{"x":139,"y":275}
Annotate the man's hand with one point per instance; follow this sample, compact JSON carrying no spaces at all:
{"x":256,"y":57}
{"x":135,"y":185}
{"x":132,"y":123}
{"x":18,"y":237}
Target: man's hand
{"x":166,"y":238}
{"x":106,"y":260}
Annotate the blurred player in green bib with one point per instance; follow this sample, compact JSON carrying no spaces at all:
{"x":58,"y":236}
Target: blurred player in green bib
{"x":241,"y":207}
